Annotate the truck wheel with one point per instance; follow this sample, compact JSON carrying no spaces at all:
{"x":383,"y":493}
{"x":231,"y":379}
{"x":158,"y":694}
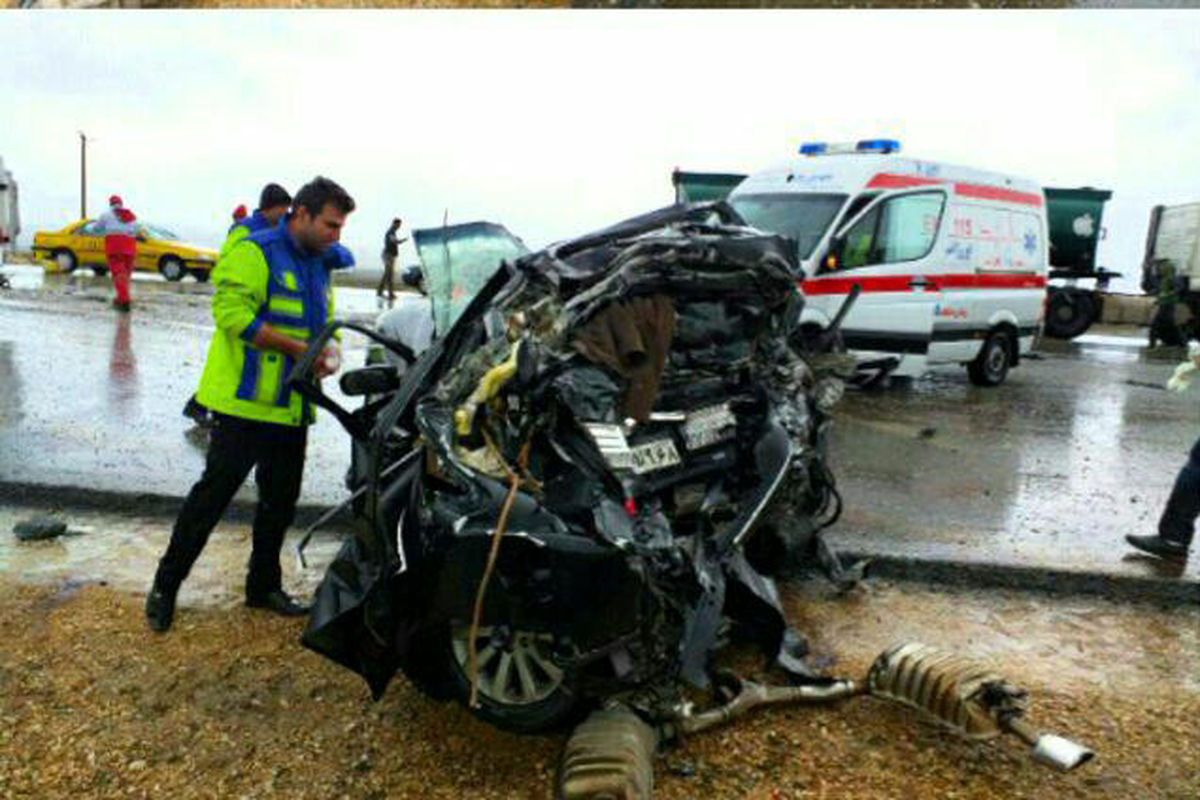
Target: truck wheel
{"x":66,"y":260}
{"x":1069,"y":314}
{"x":990,"y":367}
{"x":171,"y":268}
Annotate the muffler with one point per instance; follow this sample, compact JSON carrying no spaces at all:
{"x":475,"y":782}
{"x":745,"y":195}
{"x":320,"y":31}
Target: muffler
{"x":610,"y":756}
{"x":967,"y":697}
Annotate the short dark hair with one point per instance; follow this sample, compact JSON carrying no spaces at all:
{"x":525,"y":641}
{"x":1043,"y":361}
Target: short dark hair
{"x":319,"y":192}
{"x":273,"y":195}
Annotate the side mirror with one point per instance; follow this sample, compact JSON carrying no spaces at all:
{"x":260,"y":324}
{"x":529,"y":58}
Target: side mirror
{"x":376,"y":379}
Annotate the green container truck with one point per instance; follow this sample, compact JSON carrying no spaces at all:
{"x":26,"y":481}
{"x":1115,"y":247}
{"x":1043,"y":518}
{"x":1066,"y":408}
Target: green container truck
{"x":1075,"y":217}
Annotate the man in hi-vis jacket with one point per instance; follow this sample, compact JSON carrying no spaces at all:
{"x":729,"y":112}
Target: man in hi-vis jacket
{"x":272,"y":294}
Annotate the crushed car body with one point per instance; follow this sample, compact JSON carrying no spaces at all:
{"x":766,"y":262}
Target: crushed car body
{"x":582,"y":489}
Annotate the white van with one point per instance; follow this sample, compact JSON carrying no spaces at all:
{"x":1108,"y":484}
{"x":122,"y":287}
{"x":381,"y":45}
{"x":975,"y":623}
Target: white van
{"x":951,"y":261}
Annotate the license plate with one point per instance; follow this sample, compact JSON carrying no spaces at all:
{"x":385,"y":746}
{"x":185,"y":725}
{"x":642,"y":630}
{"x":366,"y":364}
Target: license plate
{"x":655,"y":455}
{"x":709,"y":426}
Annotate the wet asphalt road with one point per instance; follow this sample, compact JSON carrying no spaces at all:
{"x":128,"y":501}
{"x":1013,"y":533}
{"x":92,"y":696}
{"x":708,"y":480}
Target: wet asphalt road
{"x":1050,"y":469}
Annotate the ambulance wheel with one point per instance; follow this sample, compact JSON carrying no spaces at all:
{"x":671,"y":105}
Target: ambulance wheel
{"x":171,"y":268}
{"x":66,"y":260}
{"x":990,"y":367}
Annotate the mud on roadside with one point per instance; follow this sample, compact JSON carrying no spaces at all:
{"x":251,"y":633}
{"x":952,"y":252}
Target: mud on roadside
{"x":229,"y":704}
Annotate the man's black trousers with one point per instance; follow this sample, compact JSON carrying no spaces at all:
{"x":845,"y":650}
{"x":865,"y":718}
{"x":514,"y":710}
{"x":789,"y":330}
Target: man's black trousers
{"x":1178,"y":519}
{"x":277,"y":454}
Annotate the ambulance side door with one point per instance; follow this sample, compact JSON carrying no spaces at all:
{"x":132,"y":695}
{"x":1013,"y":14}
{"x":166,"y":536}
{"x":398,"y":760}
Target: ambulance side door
{"x":887,"y":250}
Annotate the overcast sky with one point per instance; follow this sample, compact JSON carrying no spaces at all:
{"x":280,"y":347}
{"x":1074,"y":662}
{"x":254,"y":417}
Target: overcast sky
{"x":554,"y":123}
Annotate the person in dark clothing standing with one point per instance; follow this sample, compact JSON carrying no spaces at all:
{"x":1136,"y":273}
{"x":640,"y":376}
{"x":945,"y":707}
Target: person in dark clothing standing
{"x":391,"y":249}
{"x":273,"y":294}
{"x":1177,"y":525}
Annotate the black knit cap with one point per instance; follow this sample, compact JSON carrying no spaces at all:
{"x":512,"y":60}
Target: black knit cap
{"x":273,"y":195}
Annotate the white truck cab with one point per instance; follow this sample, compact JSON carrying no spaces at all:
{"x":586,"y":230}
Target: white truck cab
{"x":10,"y":221}
{"x":951,"y":262}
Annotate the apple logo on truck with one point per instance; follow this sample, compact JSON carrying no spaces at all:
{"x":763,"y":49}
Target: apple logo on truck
{"x":1084,"y":226}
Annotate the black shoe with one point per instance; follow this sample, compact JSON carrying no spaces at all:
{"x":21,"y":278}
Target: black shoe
{"x":279,"y":602}
{"x":1157,"y":545}
{"x":160,"y":608}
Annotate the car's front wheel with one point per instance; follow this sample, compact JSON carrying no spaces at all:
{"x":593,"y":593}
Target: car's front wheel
{"x":99,"y":272}
{"x":201,"y":275}
{"x":171,"y":268}
{"x":66,"y":260}
{"x":521,"y":687}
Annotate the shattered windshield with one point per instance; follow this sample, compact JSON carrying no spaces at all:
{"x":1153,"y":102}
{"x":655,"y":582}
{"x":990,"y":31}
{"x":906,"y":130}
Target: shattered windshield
{"x":458,"y":260}
{"x":802,"y":217}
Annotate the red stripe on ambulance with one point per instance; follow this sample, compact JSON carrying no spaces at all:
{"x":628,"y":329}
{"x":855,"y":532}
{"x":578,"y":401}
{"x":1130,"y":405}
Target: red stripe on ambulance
{"x":901,"y":283}
{"x":888,"y":180}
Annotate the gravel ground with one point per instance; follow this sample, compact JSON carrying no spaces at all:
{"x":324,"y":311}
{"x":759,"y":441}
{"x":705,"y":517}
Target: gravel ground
{"x":229,"y":705}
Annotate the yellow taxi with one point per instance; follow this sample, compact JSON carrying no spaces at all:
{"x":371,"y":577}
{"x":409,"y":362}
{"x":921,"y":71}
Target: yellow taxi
{"x":81,"y":245}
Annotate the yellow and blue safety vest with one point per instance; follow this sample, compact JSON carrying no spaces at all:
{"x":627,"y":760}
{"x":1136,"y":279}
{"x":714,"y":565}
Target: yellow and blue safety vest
{"x":265,"y":278}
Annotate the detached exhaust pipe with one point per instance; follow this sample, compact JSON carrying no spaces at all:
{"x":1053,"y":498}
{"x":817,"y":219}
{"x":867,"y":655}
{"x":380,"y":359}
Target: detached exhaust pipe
{"x":745,"y":696}
{"x":610,"y":756}
{"x":967,"y":697}
{"x":1053,"y":751}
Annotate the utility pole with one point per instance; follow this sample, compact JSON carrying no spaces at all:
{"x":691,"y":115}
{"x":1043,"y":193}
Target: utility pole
{"x":82,"y":175}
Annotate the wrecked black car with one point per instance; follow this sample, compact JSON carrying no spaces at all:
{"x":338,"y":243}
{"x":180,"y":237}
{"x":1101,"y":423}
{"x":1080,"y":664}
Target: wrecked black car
{"x":582,"y":489}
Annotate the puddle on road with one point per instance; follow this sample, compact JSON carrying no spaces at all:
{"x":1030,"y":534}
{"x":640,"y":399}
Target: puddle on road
{"x":123,"y":552}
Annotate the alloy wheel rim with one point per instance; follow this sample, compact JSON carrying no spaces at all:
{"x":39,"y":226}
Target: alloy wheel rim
{"x":517,"y":673}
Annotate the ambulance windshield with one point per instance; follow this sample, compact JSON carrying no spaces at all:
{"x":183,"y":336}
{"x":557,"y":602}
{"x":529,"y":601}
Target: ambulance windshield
{"x":803,"y":217}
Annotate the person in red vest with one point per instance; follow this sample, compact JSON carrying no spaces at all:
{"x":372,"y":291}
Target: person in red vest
{"x":120,"y":246}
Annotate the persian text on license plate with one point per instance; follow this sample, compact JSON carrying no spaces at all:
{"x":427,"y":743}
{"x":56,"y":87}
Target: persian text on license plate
{"x":655,"y":455}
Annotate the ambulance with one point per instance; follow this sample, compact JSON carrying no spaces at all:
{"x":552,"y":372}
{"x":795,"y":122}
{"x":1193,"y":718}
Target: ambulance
{"x":951,"y":262}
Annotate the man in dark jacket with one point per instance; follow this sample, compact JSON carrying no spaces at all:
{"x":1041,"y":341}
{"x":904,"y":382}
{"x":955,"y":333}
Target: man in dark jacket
{"x":391,"y":248}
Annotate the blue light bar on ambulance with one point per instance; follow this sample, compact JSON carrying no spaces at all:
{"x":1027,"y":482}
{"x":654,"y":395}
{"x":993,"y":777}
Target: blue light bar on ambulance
{"x":882,"y":146}
{"x":878,"y":146}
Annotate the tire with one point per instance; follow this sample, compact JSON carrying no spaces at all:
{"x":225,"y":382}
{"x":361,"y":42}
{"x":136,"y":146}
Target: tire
{"x":990,"y":367}
{"x":1069,"y":314}
{"x":66,"y":260}
{"x":546,"y":701}
{"x":171,"y":268}
{"x":99,"y":272}
{"x":201,"y":275}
